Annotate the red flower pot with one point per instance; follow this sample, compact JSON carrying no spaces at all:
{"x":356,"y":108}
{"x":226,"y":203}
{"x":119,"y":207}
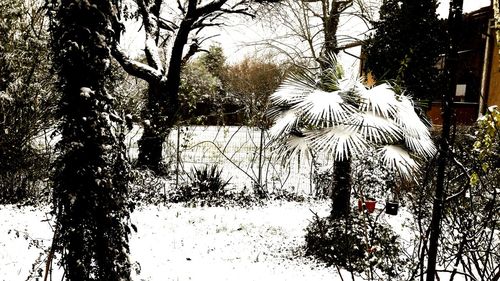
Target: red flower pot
{"x":369,"y":204}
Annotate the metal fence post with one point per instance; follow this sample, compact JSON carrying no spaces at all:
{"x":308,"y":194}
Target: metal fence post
{"x":178,"y":156}
{"x":260,"y":156}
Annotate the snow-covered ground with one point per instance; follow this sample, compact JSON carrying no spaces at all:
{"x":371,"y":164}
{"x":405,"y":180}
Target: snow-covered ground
{"x":179,"y":243}
{"x":204,"y":243}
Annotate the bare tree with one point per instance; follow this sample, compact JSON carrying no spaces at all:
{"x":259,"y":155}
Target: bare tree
{"x":316,"y":24}
{"x":169,"y":43}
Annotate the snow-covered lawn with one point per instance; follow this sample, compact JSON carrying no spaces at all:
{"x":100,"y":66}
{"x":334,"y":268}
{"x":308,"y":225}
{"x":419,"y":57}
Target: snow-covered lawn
{"x":204,"y":243}
{"x":179,"y":243}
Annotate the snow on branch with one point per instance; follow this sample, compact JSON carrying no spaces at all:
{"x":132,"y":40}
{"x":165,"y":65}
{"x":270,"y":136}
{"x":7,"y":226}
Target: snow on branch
{"x":135,"y":68}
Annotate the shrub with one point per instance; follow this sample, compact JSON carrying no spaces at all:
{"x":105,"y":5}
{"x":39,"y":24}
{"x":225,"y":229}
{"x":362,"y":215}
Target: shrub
{"x":205,"y":184}
{"x":27,"y":101}
{"x":208,"y":181}
{"x":323,"y":181}
{"x":147,"y":188}
{"x":356,"y":244}
{"x":372,"y":178}
{"x":24,"y":174}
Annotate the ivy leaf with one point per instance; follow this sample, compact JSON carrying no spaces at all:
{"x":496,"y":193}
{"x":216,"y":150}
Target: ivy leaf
{"x":474,"y":179}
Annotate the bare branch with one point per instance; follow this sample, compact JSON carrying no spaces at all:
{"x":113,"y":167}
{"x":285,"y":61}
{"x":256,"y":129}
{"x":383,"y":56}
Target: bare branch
{"x":135,"y":68}
{"x":150,"y":18}
{"x":167,"y":25}
{"x":467,"y":186}
{"x":181,"y":8}
{"x":193,"y":49}
{"x":208,"y":8}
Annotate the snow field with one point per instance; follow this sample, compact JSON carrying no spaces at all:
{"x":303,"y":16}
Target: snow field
{"x":179,"y":243}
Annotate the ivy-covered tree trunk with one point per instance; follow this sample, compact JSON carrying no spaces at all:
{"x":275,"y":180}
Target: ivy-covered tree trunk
{"x":341,"y":191}
{"x":90,"y":192}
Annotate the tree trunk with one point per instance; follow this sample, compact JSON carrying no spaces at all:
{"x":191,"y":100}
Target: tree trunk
{"x":341,"y":190}
{"x":159,"y":118}
{"x":91,"y":181}
{"x":454,"y":26}
{"x":330,"y":26}
{"x":162,"y":110}
{"x":150,"y":150}
{"x":155,"y":131}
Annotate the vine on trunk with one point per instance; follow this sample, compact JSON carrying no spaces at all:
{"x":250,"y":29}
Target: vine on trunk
{"x":90,"y":192}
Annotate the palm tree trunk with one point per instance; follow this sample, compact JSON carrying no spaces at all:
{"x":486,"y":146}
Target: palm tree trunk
{"x":341,"y":189}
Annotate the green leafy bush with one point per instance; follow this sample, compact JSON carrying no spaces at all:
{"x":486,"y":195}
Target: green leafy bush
{"x":356,"y":244}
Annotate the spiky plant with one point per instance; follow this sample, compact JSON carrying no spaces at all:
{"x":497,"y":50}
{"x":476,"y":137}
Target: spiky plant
{"x":325,"y":112}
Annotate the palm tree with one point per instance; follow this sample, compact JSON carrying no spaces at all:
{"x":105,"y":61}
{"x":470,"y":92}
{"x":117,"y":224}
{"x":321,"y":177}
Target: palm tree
{"x":322,"y":111}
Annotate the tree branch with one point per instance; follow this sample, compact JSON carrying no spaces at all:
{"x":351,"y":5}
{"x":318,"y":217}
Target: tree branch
{"x":150,"y":18}
{"x":467,"y":186}
{"x":193,"y":49}
{"x":135,"y":68}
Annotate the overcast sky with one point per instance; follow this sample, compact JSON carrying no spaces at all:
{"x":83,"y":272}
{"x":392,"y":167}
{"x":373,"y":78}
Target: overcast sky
{"x":469,"y":6}
{"x":234,"y":38}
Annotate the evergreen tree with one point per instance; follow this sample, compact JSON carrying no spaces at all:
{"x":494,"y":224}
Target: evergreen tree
{"x":406,"y":46}
{"x":90,"y":192}
{"x":214,"y":61}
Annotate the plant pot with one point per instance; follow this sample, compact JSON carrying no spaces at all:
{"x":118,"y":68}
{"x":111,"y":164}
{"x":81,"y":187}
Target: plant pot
{"x":369,"y":205}
{"x":391,"y":207}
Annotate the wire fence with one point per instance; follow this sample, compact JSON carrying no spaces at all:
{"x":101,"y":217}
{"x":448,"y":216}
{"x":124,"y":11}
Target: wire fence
{"x":240,"y":152}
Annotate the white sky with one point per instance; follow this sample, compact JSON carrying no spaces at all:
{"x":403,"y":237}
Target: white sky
{"x":469,"y":6}
{"x":236,"y":38}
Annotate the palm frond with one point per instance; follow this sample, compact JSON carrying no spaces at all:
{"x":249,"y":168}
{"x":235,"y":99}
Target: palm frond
{"x":289,"y":94}
{"x":380,"y":100}
{"x":421,"y":145}
{"x":397,"y":158}
{"x":376,"y":128}
{"x":294,"y":88}
{"x":283,"y":124}
{"x":291,"y":147}
{"x":341,"y":117}
{"x":341,"y":141}
{"x":351,"y":84}
{"x":409,"y":120}
{"x":320,"y":107}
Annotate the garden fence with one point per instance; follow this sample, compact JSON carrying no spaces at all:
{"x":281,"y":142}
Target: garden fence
{"x":241,"y":152}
